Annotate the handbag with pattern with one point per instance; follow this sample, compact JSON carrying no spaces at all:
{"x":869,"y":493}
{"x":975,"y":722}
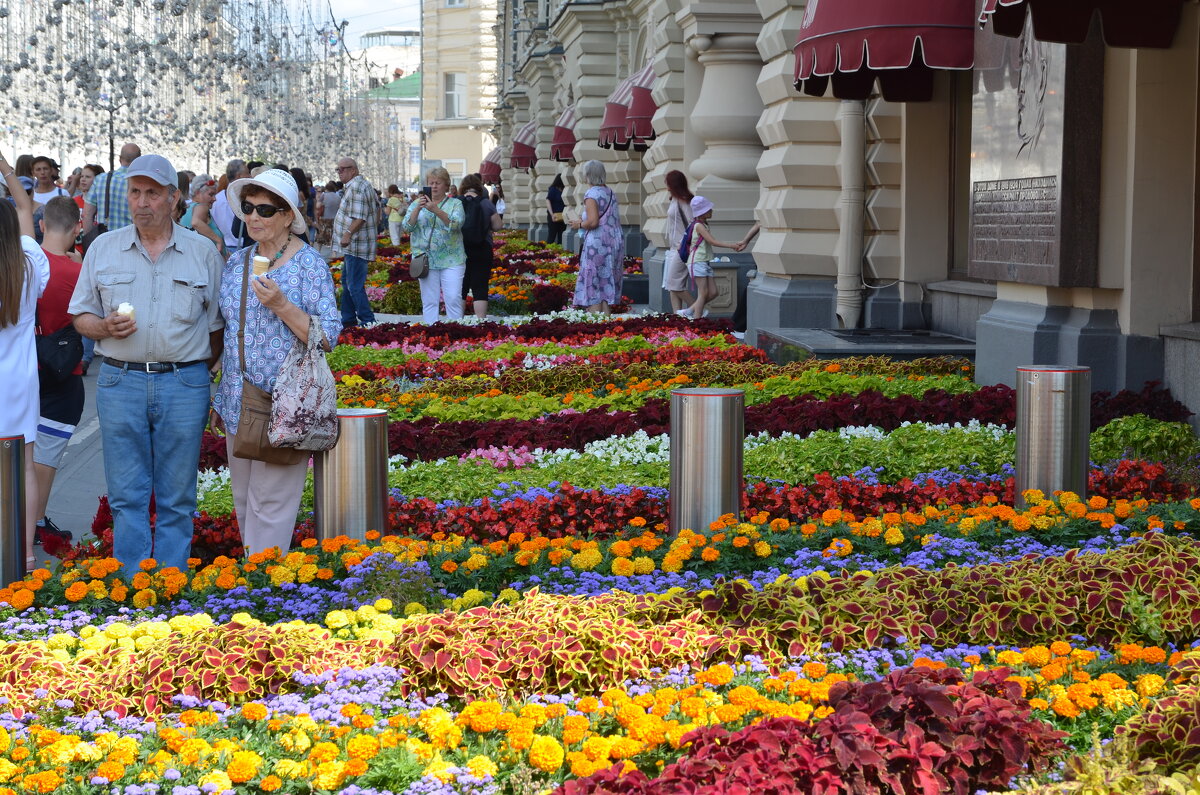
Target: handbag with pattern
{"x":304,"y":406}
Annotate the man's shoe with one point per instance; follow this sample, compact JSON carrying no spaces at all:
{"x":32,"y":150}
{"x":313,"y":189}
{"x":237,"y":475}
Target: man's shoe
{"x":685,"y":312}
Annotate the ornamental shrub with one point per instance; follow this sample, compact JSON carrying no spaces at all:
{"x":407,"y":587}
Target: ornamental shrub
{"x":1139,"y":436}
{"x":1168,"y":732}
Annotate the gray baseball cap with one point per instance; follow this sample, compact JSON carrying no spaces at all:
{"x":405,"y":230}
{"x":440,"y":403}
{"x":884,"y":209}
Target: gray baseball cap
{"x":156,"y":167}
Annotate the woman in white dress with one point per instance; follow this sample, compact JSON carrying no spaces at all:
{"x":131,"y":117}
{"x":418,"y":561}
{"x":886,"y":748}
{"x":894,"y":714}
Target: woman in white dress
{"x":24,"y":272}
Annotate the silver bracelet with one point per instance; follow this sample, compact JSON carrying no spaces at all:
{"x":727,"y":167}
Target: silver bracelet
{"x":10,"y":173}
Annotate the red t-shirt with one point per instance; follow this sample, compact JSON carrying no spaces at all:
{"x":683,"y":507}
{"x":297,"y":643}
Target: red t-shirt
{"x":52,"y":306}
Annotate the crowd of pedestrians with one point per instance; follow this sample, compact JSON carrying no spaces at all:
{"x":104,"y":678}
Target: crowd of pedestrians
{"x":150,"y":267}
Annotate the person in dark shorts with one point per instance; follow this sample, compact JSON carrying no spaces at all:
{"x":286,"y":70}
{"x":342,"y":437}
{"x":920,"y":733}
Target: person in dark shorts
{"x":61,"y":399}
{"x":479,"y":253}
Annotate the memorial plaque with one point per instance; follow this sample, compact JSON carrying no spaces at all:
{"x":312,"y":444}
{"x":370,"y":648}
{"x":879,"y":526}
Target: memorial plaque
{"x":1035,"y":159}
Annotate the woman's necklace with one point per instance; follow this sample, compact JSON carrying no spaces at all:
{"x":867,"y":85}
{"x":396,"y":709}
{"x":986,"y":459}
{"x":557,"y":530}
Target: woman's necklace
{"x":279,"y":253}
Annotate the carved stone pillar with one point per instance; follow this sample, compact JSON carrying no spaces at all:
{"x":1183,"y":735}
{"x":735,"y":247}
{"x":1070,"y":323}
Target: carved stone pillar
{"x":797,"y":210}
{"x":723,"y":41}
{"x":539,"y":76}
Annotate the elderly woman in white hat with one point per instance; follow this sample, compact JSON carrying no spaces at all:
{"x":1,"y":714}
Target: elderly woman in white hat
{"x":292,"y":285}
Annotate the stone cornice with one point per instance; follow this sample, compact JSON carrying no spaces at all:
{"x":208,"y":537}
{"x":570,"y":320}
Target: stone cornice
{"x":713,"y":18}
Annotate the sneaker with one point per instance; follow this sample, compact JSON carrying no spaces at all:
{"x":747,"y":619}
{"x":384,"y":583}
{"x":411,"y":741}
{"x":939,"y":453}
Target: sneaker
{"x":738,"y":335}
{"x":685,"y":312}
{"x":705,"y":314}
{"x":46,"y":527}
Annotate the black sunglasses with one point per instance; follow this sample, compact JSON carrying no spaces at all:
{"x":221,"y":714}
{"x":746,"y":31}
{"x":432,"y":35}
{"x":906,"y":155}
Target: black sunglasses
{"x":263,"y":210}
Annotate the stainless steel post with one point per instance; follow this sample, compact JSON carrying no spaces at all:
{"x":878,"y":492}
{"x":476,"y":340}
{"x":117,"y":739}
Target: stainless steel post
{"x":350,"y":491}
{"x":707,"y":435}
{"x":12,"y":509}
{"x":1053,"y":426}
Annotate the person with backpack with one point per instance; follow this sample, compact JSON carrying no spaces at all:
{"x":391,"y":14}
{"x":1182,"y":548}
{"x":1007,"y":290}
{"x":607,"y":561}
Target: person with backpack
{"x":480,"y":221}
{"x":696,"y":250}
{"x":679,"y":215}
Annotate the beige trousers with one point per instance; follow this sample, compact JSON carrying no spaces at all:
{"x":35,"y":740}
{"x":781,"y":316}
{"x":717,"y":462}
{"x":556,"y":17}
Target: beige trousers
{"x":266,"y":498}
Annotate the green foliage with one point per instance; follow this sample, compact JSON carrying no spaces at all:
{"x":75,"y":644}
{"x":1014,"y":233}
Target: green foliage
{"x":1168,"y":732}
{"x":403,"y":298}
{"x":1138,"y":436}
{"x":1109,"y":770}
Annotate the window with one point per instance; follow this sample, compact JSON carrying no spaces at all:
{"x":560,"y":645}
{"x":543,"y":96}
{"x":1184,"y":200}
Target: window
{"x":455,"y":101}
{"x":455,"y":3}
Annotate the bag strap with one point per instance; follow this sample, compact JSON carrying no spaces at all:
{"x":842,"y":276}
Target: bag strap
{"x":242,"y":313}
{"x":107,"y":195}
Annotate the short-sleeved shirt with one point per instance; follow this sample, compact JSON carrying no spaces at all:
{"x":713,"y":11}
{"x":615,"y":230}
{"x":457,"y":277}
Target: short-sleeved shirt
{"x":330,"y":201}
{"x":42,"y":198}
{"x":116,"y":214}
{"x":305,"y":281}
{"x":430,"y":235}
{"x":396,"y":206}
{"x":52,"y":313}
{"x":174,"y":298}
{"x":358,"y":202}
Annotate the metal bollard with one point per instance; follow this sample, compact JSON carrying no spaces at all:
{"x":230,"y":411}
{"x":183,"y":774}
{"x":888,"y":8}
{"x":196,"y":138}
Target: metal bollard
{"x":350,"y":491}
{"x":1053,"y":426}
{"x":707,"y":436}
{"x":12,"y":509}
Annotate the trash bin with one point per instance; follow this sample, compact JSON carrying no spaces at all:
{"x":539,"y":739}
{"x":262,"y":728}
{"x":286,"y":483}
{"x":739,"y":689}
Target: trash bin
{"x":707,"y":436}
{"x":1053,"y":428}
{"x":350,"y":491}
{"x":12,"y":509}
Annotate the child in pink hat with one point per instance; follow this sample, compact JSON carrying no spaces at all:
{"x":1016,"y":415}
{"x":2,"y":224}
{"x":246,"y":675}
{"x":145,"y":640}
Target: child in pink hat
{"x":700,"y":256}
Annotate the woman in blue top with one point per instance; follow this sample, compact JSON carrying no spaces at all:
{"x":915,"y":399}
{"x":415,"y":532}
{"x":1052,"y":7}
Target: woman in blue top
{"x":602,"y":255}
{"x":198,"y":215}
{"x":279,"y":305}
{"x":434,"y":225}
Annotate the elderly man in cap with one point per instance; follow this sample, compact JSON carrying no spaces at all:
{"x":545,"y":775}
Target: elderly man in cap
{"x":147,"y":294}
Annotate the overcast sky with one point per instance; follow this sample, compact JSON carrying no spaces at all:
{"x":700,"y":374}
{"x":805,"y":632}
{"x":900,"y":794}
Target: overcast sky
{"x":368,"y":15}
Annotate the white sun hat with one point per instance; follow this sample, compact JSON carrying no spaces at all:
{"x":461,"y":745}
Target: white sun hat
{"x":276,"y":181}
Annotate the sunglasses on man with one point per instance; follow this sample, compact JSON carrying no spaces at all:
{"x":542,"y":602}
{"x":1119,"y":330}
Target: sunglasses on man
{"x":263,"y":210}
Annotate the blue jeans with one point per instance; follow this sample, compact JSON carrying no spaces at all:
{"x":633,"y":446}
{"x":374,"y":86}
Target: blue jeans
{"x":150,"y":425}
{"x":356,"y":309}
{"x":89,"y":349}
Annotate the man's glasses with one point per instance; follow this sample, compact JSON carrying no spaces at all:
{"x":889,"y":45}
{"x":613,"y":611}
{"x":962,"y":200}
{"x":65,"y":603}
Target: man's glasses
{"x":263,"y":210}
{"x":340,"y":169}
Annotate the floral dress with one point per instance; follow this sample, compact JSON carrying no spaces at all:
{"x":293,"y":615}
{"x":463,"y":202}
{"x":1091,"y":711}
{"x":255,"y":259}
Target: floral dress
{"x":602,"y":256}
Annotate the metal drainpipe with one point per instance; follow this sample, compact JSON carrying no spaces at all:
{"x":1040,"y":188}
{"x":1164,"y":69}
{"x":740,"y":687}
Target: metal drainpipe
{"x":852,"y":206}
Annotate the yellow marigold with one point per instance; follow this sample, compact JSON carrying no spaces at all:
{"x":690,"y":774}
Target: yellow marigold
{"x":1053,"y":671}
{"x":1065,"y":708}
{"x":481,"y":716}
{"x":545,"y":754}
{"x":711,"y":554}
{"x":622,"y":567}
{"x":329,"y":775}
{"x":1153,"y":655}
{"x":762,"y":549}
{"x":476,"y":562}
{"x":621,"y":549}
{"x":362,"y":746}
{"x":643,"y":565}
{"x":716,"y":676}
{"x":587,"y":559}
{"x":1060,"y":648}
{"x":481,"y":766}
{"x":24,"y":599}
{"x":815,"y":670}
{"x":74,"y":593}
{"x":144,"y":598}
{"x":113,"y":771}
{"x":1148,"y":685}
{"x":254,"y":711}
{"x":272,"y":782}
{"x":323,"y":752}
{"x":1037,"y":656}
{"x":575,"y":728}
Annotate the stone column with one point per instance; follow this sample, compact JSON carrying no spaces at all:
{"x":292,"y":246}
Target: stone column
{"x":538,"y":76}
{"x":667,"y":152}
{"x":797,"y":210}
{"x":888,"y":303}
{"x":515,"y":180}
{"x":723,"y":40}
{"x":589,"y":43}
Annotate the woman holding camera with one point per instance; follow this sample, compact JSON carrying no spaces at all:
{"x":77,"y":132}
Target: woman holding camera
{"x":434,"y":224}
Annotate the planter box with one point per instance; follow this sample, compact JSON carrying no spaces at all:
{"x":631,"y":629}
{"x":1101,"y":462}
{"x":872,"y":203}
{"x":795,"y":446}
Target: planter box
{"x":637,"y":288}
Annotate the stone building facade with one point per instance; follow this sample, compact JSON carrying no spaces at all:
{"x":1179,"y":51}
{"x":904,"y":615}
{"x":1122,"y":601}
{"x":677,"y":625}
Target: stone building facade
{"x":865,"y":206}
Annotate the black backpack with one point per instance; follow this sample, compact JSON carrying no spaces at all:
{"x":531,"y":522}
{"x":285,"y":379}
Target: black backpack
{"x":475,"y":224}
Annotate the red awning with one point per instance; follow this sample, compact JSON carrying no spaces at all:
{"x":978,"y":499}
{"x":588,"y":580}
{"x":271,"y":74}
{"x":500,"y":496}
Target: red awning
{"x":616,"y":109}
{"x":562,"y":146}
{"x":524,"y":148}
{"x":898,"y":42}
{"x":641,"y":108}
{"x":1146,"y":23}
{"x":489,"y":169}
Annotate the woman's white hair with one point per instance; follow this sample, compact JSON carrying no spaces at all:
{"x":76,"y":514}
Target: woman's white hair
{"x":593,"y":172}
{"x":198,"y":182}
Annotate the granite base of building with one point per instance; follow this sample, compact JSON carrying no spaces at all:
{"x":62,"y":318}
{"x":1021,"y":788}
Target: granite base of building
{"x":885,"y":309}
{"x":783,"y":346}
{"x":1181,"y":366}
{"x":1013,"y":334}
{"x":774,"y":302}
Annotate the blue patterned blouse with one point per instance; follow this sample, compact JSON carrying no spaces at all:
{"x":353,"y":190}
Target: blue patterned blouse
{"x":306,"y":282}
{"x":445,"y":244}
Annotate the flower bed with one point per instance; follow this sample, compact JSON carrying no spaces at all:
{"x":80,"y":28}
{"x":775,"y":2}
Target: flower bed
{"x":881,"y":617}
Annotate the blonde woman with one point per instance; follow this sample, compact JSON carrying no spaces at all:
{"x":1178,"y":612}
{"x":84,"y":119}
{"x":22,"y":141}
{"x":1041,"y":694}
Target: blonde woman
{"x":434,"y":224}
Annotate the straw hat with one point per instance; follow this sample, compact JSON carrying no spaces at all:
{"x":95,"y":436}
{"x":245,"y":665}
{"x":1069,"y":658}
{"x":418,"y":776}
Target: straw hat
{"x":276,"y":181}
